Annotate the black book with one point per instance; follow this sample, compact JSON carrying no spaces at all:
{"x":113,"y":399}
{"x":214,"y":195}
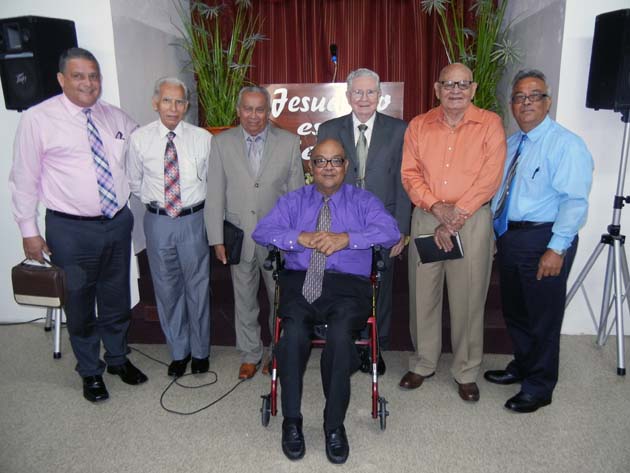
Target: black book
{"x":233,"y":242}
{"x":430,"y":253}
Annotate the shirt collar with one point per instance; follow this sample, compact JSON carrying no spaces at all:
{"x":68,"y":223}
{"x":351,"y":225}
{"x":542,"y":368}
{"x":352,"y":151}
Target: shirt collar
{"x":163,"y":130}
{"x":370,"y":123}
{"x":74,"y":109}
{"x":262,"y":134}
{"x":540,"y":130}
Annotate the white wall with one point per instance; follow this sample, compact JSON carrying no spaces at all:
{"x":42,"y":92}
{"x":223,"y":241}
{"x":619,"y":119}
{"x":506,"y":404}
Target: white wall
{"x":602,"y":131}
{"x":132,"y":41}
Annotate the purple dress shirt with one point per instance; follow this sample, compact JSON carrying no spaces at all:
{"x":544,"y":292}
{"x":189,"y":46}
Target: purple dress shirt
{"x":52,"y":160}
{"x":354,"y":211}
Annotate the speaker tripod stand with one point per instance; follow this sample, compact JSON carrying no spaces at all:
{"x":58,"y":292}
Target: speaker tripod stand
{"x":617,"y":276}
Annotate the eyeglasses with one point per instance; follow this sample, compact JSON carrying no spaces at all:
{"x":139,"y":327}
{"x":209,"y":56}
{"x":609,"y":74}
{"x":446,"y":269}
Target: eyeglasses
{"x":535,"y":97}
{"x":450,"y":84}
{"x":359,"y":94}
{"x":321,"y":163}
{"x":179,"y":103}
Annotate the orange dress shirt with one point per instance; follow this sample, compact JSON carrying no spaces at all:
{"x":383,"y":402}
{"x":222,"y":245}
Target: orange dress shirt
{"x":461,"y":165}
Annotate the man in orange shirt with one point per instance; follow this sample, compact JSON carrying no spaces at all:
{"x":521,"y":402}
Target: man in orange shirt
{"x":452,"y":164}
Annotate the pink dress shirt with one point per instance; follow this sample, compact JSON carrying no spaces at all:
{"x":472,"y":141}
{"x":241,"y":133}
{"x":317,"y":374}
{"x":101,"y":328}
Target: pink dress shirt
{"x":52,"y":160}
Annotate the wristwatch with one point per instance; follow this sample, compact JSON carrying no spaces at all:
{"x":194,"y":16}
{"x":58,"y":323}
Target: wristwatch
{"x":558,"y":252}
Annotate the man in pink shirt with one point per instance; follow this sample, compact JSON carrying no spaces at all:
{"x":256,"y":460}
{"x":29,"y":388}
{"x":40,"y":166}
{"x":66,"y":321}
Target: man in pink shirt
{"x":68,"y":155}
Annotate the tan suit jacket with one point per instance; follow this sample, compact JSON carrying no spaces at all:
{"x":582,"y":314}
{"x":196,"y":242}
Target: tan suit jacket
{"x":235,"y":194}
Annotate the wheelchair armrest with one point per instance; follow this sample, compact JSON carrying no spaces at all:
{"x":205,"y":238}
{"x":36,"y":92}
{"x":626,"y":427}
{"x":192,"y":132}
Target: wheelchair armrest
{"x":378,"y":261}
{"x":273,"y":259}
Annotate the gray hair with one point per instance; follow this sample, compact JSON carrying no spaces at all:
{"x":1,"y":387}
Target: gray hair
{"x":254,"y":89}
{"x":76,"y":53}
{"x":533,"y":73}
{"x":363,"y":72}
{"x":171,"y":81}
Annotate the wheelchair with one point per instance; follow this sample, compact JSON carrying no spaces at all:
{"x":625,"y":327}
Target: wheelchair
{"x":269,"y":408}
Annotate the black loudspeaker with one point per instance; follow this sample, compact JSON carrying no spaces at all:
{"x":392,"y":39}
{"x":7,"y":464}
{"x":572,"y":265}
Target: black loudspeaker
{"x":609,"y":75}
{"x":30,"y":47}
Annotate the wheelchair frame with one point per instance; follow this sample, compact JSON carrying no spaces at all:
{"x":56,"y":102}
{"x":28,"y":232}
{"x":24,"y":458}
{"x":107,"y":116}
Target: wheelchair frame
{"x":269,"y":408}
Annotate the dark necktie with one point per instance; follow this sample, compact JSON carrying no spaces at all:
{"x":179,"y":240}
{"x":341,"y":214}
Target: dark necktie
{"x":104,"y":178}
{"x":314,"y":278}
{"x":172,"y":192}
{"x":362,"y":152}
{"x":500,"y":222}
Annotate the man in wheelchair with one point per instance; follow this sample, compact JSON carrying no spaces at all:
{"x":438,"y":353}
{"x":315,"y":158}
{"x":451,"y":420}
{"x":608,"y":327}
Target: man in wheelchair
{"x":326,"y":231}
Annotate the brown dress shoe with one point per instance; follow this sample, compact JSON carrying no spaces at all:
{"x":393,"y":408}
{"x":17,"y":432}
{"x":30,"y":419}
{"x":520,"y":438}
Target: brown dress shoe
{"x":468,"y":391}
{"x":247,"y":370}
{"x":413,"y":380}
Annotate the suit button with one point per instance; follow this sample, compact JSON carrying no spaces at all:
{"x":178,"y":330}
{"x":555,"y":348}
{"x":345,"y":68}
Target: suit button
{"x":256,"y":185}
{"x":253,"y":212}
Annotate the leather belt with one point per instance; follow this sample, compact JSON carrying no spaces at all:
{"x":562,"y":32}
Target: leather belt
{"x":182,"y":213}
{"x":525,"y":224}
{"x":83,"y":217}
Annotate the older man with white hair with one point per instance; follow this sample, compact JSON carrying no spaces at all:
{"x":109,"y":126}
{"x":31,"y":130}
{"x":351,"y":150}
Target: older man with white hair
{"x":166,"y":166}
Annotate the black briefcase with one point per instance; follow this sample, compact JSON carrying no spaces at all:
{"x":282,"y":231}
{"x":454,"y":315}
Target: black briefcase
{"x":37,"y":285}
{"x":233,"y":242}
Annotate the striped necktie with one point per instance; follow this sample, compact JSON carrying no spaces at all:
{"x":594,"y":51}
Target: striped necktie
{"x":253,"y":153}
{"x":500,"y":222}
{"x":172,"y":192}
{"x":106,"y":191}
{"x":362,"y":152}
{"x":314,"y":278}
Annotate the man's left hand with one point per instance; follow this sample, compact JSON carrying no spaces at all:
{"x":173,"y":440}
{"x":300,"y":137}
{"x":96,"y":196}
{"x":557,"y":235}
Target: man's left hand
{"x":550,"y":264}
{"x":398,"y":247}
{"x":328,"y":242}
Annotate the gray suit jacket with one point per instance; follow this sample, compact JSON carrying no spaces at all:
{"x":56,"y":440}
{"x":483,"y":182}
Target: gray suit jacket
{"x":240,"y":197}
{"x":382,"y":172}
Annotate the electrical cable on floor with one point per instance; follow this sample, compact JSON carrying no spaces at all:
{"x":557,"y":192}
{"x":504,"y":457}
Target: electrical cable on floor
{"x":22,"y":323}
{"x":176,"y":381}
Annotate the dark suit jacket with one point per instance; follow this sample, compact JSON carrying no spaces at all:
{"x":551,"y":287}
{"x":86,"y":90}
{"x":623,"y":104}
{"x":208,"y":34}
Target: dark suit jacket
{"x":382,"y":172}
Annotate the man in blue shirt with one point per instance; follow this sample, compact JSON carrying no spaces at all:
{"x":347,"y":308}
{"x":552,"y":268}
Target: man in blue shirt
{"x":540,"y":206}
{"x":326,"y":231}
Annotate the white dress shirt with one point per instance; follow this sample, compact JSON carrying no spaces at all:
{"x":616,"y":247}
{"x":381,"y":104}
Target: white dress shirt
{"x":145,"y":162}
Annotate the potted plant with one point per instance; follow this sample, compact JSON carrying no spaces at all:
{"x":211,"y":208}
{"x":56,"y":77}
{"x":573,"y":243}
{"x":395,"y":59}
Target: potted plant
{"x":220,"y":40}
{"x":484,"y":48}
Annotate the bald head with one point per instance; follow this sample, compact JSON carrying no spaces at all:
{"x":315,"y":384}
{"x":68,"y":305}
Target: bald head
{"x":455,"y":90}
{"x":456,"y":68}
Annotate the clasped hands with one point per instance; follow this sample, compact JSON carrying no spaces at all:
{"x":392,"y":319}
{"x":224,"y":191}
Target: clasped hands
{"x":324,"y":242}
{"x":451,"y":219}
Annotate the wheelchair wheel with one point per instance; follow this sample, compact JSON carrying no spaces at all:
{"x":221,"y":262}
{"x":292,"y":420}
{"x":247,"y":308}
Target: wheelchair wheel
{"x":265,"y":410}
{"x":382,"y":412}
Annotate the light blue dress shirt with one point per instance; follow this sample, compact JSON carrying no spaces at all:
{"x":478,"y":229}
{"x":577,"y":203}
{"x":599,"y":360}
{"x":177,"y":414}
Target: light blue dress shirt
{"x":552,"y":182}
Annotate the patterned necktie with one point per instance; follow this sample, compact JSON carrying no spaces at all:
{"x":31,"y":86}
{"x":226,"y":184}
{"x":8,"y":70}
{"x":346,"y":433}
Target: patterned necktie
{"x":172,"y":192}
{"x":253,"y":153}
{"x":314,"y":278}
{"x":500,"y":222}
{"x":362,"y":152}
{"x":106,"y":191}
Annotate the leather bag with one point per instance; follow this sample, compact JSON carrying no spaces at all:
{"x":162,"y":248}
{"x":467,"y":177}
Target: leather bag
{"x":38,"y":285}
{"x":233,"y":242}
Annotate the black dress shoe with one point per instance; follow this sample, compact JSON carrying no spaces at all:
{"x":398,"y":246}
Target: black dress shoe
{"x":94,"y":389}
{"x":337,"y":448}
{"x":501,"y":377}
{"x":380,"y":366}
{"x":177,"y":368}
{"x":128,"y":373}
{"x":199,"y":365}
{"x":524,"y":402}
{"x":293,"y":439}
{"x":364,"y":356}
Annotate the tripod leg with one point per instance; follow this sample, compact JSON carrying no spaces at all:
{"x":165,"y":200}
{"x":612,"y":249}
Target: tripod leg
{"x":621,"y":369}
{"x":584,"y":272}
{"x":603,"y":318}
{"x":626,"y":275}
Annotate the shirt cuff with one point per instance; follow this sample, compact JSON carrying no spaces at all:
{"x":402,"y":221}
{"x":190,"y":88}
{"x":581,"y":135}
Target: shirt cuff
{"x":559,"y":243}
{"x":356,"y":241}
{"x":289,"y":242}
{"x":28,"y":228}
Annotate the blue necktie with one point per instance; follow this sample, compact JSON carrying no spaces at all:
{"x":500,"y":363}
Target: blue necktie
{"x":104,"y":178}
{"x":500,"y":222}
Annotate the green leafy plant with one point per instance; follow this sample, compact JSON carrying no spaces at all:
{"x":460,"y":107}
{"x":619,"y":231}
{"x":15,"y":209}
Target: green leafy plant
{"x":484,"y":47}
{"x":220,"y":47}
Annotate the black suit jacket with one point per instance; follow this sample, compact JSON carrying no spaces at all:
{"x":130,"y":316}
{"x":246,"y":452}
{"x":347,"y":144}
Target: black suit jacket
{"x":382,"y":172}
